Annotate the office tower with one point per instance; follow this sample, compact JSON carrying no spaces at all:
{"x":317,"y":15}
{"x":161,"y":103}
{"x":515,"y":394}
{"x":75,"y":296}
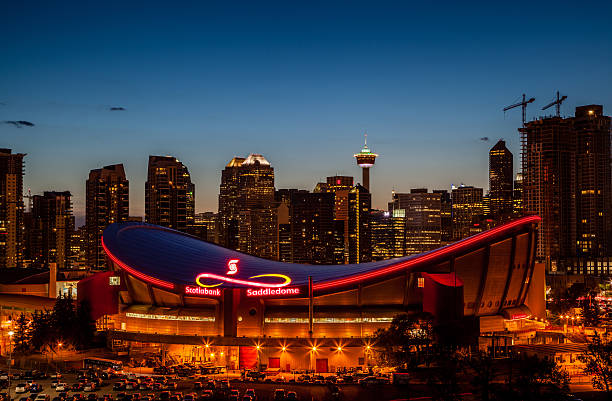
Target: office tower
{"x":388,"y":233}
{"x":107,"y":194}
{"x":593,"y":184}
{"x":11,"y":208}
{"x":467,"y":211}
{"x":169,"y":193}
{"x":283,"y":218}
{"x":446,"y":216}
{"x":517,"y":195}
{"x":205,"y":226}
{"x":500,"y":182}
{"x":52,"y":220}
{"x":360,"y":203}
{"x":422,"y":212}
{"x":247,"y":210}
{"x":229,"y":194}
{"x":78,"y":248}
{"x":339,"y":182}
{"x":549,"y":186}
{"x":312,"y":227}
{"x":365,"y":160}
{"x":340,"y":186}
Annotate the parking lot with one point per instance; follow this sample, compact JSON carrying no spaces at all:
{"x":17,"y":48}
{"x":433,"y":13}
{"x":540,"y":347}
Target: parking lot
{"x":228,"y":386}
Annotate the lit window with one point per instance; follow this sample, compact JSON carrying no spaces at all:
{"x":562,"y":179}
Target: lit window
{"x":421,"y":282}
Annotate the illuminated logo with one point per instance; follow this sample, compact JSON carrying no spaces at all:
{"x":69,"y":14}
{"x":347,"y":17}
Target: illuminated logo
{"x":213,"y":292}
{"x":264,"y":292}
{"x":286,"y":280}
{"x":232,"y":266}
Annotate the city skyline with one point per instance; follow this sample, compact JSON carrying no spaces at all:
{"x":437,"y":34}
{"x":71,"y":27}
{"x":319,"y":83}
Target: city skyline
{"x":251,"y":80}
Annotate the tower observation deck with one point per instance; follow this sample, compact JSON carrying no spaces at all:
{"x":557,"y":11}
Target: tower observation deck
{"x":366,"y":159}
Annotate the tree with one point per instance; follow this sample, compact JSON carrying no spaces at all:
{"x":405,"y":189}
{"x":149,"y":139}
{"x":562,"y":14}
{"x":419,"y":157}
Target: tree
{"x":481,"y":369}
{"x":22,"y":334}
{"x":598,"y":361}
{"x":85,"y":327}
{"x":443,"y":377}
{"x":63,"y":321}
{"x":591,"y":312}
{"x":402,"y":344}
{"x":533,"y":376}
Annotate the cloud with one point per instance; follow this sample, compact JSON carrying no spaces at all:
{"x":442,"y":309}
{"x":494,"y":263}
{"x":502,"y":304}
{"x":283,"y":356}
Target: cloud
{"x":19,"y":123}
{"x":485,"y":139}
{"x":117,"y":108}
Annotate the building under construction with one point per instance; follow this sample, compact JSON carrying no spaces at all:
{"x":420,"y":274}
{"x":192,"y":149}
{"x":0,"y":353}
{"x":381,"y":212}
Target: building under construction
{"x":566,"y":181}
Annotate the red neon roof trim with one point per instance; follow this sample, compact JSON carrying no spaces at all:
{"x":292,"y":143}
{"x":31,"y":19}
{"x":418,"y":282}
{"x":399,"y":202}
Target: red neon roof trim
{"x":432,"y":255}
{"x":136,"y":273}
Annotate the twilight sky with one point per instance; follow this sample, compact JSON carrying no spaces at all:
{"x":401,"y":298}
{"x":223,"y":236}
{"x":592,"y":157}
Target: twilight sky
{"x":299,"y":83}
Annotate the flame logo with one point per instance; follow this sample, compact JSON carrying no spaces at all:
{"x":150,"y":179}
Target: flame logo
{"x":232,"y":265}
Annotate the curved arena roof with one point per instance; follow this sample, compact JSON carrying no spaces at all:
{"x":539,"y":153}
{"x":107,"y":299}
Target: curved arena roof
{"x":171,"y":260}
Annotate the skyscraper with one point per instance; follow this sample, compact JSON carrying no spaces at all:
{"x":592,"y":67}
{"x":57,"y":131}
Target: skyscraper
{"x":467,"y":211}
{"x":388,"y":233}
{"x":360,"y":204}
{"x":11,"y":208}
{"x":365,"y":160}
{"x":107,"y":201}
{"x":169,"y":193}
{"x":247,"y":210}
{"x":340,"y":186}
{"x":229,"y":194}
{"x":549,"y":186}
{"x":312,"y":227}
{"x":567,"y":182}
{"x":593,"y":183}
{"x":422,"y":212}
{"x":500,"y":181}
{"x":53,"y":222}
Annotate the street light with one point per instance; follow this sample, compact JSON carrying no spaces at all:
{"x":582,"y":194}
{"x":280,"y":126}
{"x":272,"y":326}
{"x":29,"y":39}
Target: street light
{"x":10,"y":333}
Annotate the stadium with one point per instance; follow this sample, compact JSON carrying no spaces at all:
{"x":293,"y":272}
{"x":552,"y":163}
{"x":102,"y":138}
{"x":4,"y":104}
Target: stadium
{"x":187,"y":299}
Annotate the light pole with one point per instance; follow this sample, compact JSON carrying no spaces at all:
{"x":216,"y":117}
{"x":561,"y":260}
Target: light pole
{"x":10,"y":333}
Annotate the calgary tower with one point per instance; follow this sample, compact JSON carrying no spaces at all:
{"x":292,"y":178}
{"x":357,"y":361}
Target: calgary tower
{"x":365,"y":160}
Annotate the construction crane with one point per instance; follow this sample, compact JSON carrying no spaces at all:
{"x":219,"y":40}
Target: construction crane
{"x":523,"y":105}
{"x":556,"y":103}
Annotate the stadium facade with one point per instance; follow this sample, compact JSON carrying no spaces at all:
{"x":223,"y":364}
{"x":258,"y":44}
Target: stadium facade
{"x":196,"y":301}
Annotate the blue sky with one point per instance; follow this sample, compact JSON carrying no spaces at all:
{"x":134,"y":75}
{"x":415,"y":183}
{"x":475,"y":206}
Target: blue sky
{"x":297,"y":82}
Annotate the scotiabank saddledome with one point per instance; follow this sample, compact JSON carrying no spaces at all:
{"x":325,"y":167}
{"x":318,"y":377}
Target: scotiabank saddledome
{"x":171,"y":290}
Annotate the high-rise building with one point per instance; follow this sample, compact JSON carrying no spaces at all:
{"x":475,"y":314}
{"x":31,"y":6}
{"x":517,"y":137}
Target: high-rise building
{"x":467,"y":211}
{"x":11,"y":208}
{"x":340,"y":186}
{"x":205,"y":227}
{"x":107,"y":194}
{"x":365,"y":160}
{"x":359,"y":235}
{"x":312,"y":227}
{"x":388,"y":233}
{"x":446,"y":216}
{"x":549,"y":185}
{"x":247,"y":210}
{"x":229,"y":194}
{"x":422,"y":212}
{"x":500,"y":181}
{"x":593,"y":184}
{"x":52,"y":220}
{"x":283,"y":218}
{"x":169,"y":193}
{"x":517,"y":195}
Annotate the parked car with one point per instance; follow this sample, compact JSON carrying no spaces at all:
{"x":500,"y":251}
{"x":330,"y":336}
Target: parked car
{"x":291,"y":396}
{"x":251,"y":393}
{"x":21,"y":388}
{"x":42,"y":397}
{"x":279,"y":394}
{"x":61,"y":387}
{"x":89,"y":387}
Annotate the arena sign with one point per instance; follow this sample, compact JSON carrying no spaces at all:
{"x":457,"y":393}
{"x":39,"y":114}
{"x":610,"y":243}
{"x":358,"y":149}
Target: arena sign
{"x":261,"y":285}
